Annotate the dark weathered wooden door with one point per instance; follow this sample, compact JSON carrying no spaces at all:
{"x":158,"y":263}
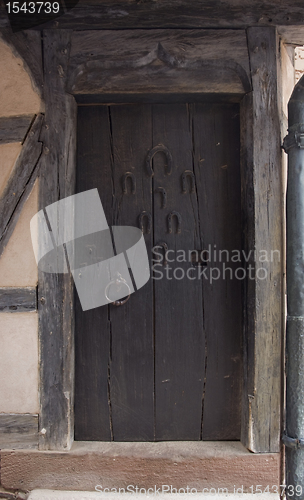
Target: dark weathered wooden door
{"x":167,"y":364}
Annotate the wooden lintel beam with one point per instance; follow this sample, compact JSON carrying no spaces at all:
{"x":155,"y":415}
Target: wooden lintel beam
{"x":115,"y":14}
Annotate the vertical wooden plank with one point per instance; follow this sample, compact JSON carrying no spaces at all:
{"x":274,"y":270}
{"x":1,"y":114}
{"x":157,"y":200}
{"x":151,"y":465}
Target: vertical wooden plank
{"x":179,"y":331}
{"x":131,"y":370}
{"x":93,"y":328}
{"x":217,"y":169}
{"x":264,"y":387}
{"x":55,"y":292}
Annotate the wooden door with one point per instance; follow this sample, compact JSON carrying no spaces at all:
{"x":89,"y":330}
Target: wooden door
{"x":167,"y":364}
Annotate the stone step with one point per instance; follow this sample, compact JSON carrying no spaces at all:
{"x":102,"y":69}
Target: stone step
{"x":90,"y":495}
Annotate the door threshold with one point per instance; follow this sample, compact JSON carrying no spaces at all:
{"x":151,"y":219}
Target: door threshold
{"x":195,"y":465}
{"x":163,"y":449}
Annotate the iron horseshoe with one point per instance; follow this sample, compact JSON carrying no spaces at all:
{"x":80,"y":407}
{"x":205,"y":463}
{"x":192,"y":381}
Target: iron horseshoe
{"x":179,"y":221}
{"x":152,"y":153}
{"x":164,"y":196}
{"x":124,"y":182}
{"x":164,"y":245}
{"x":188,"y":173}
{"x":141,"y":221}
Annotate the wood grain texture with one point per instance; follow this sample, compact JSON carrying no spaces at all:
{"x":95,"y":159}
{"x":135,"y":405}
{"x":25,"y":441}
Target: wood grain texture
{"x":18,"y":431}
{"x":18,"y":299}
{"x":262,"y":162}
{"x":293,"y":35}
{"x":248,"y":242}
{"x":113,"y":14}
{"x":216,"y":144}
{"x":179,"y":60}
{"x":131,"y":374}
{"x":93,"y":327}
{"x":14,"y":128}
{"x":178,"y":302}
{"x":20,"y":183}
{"x":224,"y":465}
{"x":27,"y":45}
{"x":55,"y":291}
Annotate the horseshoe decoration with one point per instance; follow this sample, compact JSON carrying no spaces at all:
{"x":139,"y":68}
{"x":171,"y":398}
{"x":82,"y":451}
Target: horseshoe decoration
{"x":164,"y":246}
{"x":152,"y":153}
{"x":179,"y":221}
{"x":141,"y":218}
{"x":124,"y":182}
{"x":185,"y":175}
{"x":163,"y":192}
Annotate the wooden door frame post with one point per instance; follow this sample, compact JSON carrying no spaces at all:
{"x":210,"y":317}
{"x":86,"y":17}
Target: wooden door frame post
{"x":55,"y":291}
{"x":262,"y":190}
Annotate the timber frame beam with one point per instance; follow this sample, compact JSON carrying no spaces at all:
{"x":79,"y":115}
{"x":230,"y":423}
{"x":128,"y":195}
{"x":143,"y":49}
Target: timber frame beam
{"x":21,"y":181}
{"x":123,"y":14}
{"x":263,"y":231}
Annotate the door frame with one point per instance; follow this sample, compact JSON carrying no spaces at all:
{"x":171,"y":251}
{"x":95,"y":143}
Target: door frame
{"x":73,"y":72}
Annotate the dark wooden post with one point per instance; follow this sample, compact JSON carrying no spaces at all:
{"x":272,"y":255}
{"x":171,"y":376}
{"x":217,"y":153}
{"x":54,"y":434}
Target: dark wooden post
{"x":263,"y":205}
{"x":55,"y":291}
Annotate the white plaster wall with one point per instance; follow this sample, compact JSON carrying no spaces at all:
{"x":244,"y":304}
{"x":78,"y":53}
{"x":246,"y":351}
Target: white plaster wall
{"x":17,"y":264}
{"x":288,"y":76}
{"x":17,"y":96}
{"x":18,"y":331}
{"x":8,"y":156}
{"x":299,"y":62}
{"x":19,"y":363}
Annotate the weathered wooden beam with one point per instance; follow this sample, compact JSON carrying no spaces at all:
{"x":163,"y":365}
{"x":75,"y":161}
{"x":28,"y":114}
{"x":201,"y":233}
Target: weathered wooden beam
{"x":14,"y":128}
{"x":20,"y":182}
{"x":201,"y":61}
{"x":113,"y":14}
{"x":292,"y":34}
{"x":263,"y":204}
{"x":55,"y":291}
{"x":18,"y":299}
{"x":289,"y":19}
{"x":18,"y":431}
